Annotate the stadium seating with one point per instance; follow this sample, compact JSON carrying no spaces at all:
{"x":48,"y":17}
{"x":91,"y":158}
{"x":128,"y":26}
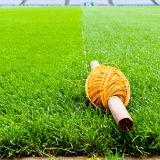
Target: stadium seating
{"x":44,"y":2}
{"x":158,"y":2}
{"x":101,"y":2}
{"x":133,"y":2}
{"x":82,"y":2}
{"x":75,"y":2}
{"x":10,"y":2}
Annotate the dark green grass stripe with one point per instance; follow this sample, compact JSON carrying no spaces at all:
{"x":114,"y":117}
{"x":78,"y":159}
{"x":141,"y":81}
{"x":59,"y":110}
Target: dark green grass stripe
{"x":39,"y":47}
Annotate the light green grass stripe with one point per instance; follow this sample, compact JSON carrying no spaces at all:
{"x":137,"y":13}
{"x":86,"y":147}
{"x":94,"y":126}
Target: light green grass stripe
{"x":129,"y":36}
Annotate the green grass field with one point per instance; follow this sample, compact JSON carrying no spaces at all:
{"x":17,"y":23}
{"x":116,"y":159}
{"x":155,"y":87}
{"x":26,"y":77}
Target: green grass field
{"x":43,"y":114}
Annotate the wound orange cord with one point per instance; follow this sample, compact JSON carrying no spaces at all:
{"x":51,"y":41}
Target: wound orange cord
{"x":105,"y":82}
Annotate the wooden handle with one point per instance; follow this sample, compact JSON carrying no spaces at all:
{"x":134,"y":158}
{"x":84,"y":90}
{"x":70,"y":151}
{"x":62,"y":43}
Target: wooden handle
{"x":120,"y":114}
{"x":118,"y":110}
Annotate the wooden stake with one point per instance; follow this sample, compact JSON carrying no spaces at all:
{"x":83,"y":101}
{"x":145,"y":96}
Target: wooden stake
{"x":118,"y":110}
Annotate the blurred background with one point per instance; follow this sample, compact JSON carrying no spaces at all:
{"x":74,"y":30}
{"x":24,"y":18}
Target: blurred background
{"x":79,"y":2}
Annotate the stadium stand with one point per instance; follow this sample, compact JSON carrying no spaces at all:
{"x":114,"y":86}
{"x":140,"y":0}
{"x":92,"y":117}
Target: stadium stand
{"x":101,"y":2}
{"x":76,"y":2}
{"x":133,"y":3}
{"x":79,"y":2}
{"x":83,"y":2}
{"x":10,"y":2}
{"x":157,"y":1}
{"x":44,"y":2}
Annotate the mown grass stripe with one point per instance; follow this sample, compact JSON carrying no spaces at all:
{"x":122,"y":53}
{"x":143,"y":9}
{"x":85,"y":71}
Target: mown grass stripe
{"x":128,"y":37}
{"x":41,"y":114}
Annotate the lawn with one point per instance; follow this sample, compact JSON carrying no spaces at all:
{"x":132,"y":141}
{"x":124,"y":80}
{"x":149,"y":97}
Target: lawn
{"x":43,"y":49}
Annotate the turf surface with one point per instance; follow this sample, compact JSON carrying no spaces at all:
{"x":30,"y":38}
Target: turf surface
{"x":41,"y":113}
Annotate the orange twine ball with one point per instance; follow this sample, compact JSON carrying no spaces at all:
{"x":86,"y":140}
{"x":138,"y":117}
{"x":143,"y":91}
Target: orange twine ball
{"x":105,"y":82}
